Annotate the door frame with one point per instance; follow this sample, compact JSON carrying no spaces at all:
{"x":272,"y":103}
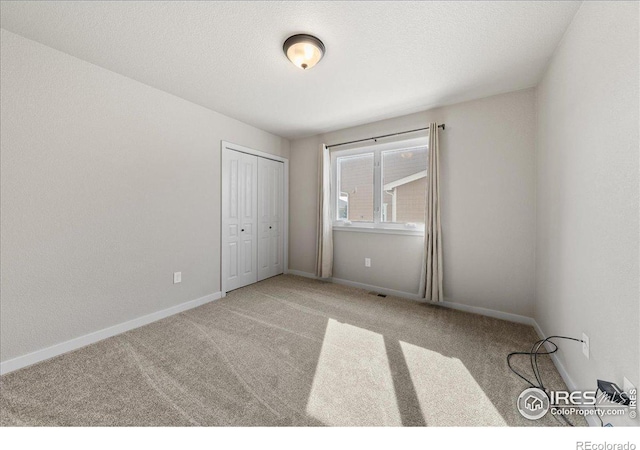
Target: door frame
{"x":226,"y":146}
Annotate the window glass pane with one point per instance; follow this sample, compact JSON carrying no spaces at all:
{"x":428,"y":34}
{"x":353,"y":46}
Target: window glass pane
{"x":404,"y":185}
{"x":355,"y":188}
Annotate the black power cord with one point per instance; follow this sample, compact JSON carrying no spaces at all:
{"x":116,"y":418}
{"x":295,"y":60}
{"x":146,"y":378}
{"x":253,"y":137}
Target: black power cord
{"x":533,"y":356}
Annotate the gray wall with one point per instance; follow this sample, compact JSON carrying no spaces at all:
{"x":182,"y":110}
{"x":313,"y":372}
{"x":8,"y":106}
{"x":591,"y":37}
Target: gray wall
{"x":352,"y":247}
{"x":488,"y":213}
{"x":303,"y":203}
{"x":108,"y":186}
{"x":587,"y":202}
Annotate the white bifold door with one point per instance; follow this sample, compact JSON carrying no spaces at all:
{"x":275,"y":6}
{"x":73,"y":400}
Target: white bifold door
{"x":252,"y":216}
{"x":270,"y":212}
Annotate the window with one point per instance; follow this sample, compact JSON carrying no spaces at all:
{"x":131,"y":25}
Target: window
{"x":355,"y":184}
{"x":343,"y":206}
{"x":404,"y":185}
{"x":382,"y":186}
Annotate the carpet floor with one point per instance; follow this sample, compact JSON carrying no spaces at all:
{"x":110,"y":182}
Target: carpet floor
{"x":288,"y":351}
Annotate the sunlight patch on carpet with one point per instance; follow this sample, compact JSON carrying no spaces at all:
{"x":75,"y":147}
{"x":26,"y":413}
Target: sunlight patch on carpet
{"x":448,"y":394}
{"x":353,"y":384}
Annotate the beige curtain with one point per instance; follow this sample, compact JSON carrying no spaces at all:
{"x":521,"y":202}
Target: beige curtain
{"x":324,"y":245}
{"x":431,"y":280}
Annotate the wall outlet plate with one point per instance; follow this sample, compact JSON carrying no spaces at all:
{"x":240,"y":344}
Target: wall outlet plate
{"x":585,"y":345}
{"x":367,"y":262}
{"x":177,"y":277}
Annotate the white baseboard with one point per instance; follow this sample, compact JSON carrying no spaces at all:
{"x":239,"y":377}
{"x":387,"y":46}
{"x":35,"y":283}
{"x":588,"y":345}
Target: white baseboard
{"x":571,"y":385}
{"x":377,"y":289}
{"x":300,"y":273}
{"x":488,"y":312}
{"x":412,"y":296}
{"x":367,"y":287}
{"x":82,"y":341}
{"x":563,"y":372}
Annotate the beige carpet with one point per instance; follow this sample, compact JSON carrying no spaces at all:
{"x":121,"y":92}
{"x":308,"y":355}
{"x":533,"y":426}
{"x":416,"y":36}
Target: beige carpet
{"x":287,"y":351}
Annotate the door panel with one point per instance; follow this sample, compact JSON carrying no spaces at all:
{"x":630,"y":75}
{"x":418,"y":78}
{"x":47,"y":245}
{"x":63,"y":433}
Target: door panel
{"x":270,"y":199}
{"x":233,"y":190}
{"x":248,"y":257}
{"x":233,"y":260}
{"x":277,"y":214}
{"x":275,"y":254}
{"x":263,"y":256}
{"x":264,"y":218}
{"x":252,"y":219}
{"x":239,"y":219}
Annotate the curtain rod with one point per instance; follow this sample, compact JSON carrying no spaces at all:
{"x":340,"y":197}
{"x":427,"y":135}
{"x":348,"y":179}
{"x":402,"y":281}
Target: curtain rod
{"x":383,"y":136}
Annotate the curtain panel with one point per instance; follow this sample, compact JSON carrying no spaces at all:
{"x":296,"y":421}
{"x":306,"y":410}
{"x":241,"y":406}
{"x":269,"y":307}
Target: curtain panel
{"x":431,"y":279}
{"x":324,"y":244}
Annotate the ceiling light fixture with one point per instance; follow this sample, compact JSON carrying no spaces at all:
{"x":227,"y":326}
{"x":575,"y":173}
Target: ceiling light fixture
{"x":303,"y":50}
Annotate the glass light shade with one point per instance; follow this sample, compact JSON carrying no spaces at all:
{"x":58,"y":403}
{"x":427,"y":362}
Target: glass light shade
{"x":303,"y":50}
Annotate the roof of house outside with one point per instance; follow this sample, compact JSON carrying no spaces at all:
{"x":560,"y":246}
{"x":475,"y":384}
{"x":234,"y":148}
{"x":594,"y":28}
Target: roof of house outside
{"x":405,"y":163}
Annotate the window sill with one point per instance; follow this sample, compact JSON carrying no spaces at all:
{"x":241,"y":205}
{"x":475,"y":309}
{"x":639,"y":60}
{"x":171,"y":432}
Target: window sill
{"x":379,"y":230}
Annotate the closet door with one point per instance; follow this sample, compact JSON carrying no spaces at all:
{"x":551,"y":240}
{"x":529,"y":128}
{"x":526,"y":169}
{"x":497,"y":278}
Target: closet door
{"x":239,"y":219}
{"x":270,"y":217}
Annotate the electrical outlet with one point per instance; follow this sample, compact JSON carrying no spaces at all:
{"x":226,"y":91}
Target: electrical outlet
{"x":367,"y":262}
{"x":177,"y":277}
{"x":585,"y":345}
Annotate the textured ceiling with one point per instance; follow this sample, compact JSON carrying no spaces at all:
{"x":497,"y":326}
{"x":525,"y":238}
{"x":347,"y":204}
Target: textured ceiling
{"x":383,"y":59}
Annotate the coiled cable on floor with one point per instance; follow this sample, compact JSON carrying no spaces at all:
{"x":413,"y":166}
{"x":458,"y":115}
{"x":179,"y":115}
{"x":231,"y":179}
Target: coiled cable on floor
{"x":533,"y":356}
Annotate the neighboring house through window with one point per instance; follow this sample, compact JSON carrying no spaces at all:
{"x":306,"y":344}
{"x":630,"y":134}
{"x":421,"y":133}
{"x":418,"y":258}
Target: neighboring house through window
{"x":381,"y":186}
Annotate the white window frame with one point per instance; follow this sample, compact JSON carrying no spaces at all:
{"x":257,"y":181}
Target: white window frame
{"x":377,"y":226}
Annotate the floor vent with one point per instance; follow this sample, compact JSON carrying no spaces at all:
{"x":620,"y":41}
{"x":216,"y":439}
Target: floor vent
{"x":378,"y":295}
